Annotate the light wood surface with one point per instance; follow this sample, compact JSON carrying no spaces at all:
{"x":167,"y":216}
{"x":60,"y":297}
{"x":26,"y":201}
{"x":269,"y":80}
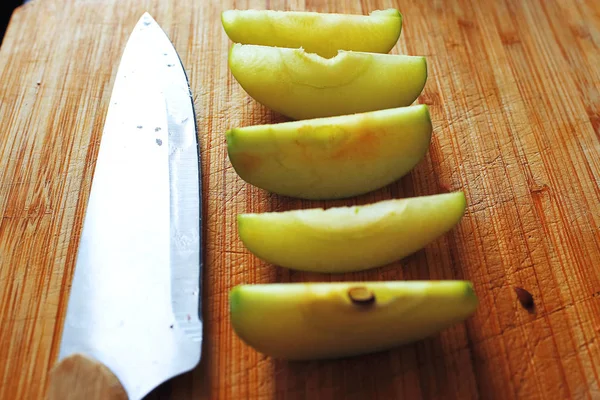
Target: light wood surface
{"x":78,"y":377}
{"x":514,"y":94}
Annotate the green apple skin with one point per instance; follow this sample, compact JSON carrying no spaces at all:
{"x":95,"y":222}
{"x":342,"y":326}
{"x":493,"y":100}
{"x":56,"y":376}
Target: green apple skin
{"x":320,"y":33}
{"x":333,"y":157}
{"x":306,"y":321}
{"x":303,"y":85}
{"x":353,"y":238}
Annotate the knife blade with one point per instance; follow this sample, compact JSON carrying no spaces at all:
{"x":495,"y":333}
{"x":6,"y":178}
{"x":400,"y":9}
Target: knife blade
{"x":134,"y":313}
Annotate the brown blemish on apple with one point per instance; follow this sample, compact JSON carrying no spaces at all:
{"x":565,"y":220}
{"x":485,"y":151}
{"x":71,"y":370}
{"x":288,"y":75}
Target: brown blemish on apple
{"x":248,"y":162}
{"x":304,"y":130}
{"x":362,"y":147}
{"x":362,"y":144}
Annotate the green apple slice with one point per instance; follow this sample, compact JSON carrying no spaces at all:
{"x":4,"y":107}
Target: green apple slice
{"x":333,"y":157}
{"x":345,"y":239}
{"x":303,"y":321}
{"x":320,"y":33}
{"x":303,"y":85}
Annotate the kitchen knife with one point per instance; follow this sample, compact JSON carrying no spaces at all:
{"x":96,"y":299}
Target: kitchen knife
{"x":134,"y":316}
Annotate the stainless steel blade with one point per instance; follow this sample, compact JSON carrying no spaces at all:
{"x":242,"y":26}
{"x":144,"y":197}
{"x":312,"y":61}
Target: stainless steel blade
{"x":135,"y":298}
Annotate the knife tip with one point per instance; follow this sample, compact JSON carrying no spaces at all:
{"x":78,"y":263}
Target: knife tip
{"x":146,"y":19}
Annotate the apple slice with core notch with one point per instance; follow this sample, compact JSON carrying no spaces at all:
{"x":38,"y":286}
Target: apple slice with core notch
{"x":303,"y":85}
{"x":345,"y":239}
{"x":334,"y":157}
{"x":320,"y":33}
{"x":305,"y":321}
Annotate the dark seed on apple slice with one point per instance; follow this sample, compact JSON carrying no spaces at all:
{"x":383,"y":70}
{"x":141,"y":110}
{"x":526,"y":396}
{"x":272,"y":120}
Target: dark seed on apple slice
{"x":361,"y":296}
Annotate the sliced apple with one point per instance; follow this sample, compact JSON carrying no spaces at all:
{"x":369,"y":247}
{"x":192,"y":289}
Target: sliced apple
{"x":320,"y":33}
{"x":303,"y":85}
{"x":305,"y":321}
{"x":344,"y":239}
{"x":332,"y":157}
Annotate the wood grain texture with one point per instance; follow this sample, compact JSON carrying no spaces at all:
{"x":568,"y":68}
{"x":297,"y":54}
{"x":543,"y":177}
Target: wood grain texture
{"x":514,"y":94}
{"x":78,"y":377}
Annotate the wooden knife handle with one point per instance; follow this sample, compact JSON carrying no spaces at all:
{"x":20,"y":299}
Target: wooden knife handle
{"x":78,"y":377}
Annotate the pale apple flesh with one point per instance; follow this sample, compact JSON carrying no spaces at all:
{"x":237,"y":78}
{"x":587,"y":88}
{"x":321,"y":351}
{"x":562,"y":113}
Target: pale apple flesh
{"x":320,"y":33}
{"x":303,"y":85}
{"x":353,"y":238}
{"x":303,"y":321}
{"x":335,"y":157}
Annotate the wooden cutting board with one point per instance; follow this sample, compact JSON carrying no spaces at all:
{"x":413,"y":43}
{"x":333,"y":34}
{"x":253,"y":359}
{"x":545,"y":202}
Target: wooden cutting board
{"x":514,"y":94}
